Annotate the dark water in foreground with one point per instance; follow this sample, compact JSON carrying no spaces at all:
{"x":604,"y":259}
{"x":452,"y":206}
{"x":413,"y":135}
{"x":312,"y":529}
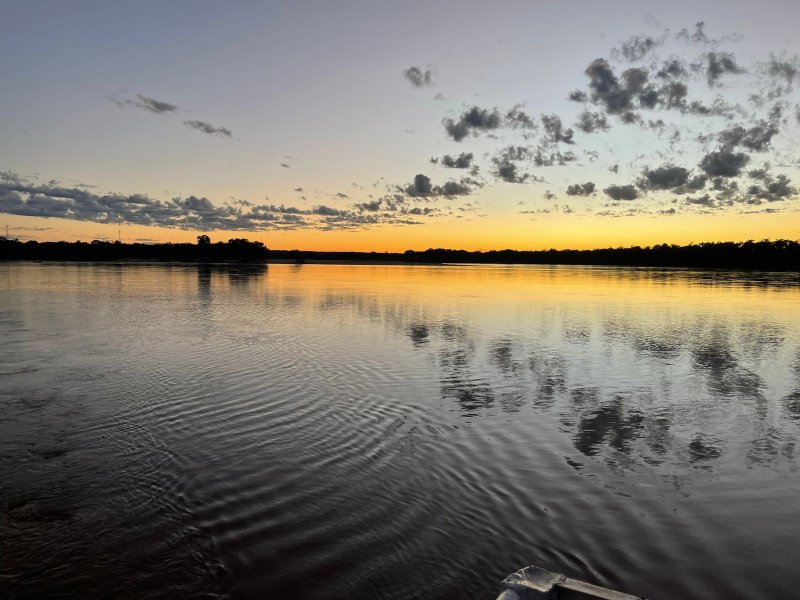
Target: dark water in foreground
{"x":396,"y":432}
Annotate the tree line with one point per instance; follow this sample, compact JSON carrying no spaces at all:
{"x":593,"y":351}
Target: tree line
{"x":769,"y":255}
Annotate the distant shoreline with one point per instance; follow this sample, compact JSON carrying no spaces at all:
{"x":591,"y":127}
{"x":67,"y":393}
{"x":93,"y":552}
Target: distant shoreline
{"x":765,"y":255}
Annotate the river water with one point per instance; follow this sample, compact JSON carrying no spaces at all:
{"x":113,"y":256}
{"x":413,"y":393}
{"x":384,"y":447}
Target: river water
{"x":323,"y":431}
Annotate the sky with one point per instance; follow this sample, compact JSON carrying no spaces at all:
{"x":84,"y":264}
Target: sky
{"x":389,"y":126}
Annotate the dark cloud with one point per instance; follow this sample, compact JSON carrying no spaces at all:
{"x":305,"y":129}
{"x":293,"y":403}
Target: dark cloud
{"x":719,"y":64}
{"x":422,"y":187}
{"x":146,"y":103}
{"x":695,"y":184}
{"x":544,"y":158}
{"x":208,"y":128}
{"x":782,"y":68}
{"x":462,"y":161}
{"x":418,"y":77}
{"x":605,"y":87}
{"x":298,"y":189}
{"x":505,"y":166}
{"x":285,"y":166}
{"x":153,"y":105}
{"x":663,"y":178}
{"x":589,"y":122}
{"x":673,"y":94}
{"x":20,"y":197}
{"x":756,"y":138}
{"x":516,"y":117}
{"x":578,"y":96}
{"x":636,"y":48}
{"x":475,"y":119}
{"x":581,"y":189}
{"x":704,"y":200}
{"x":621,"y":192}
{"x":673,"y":69}
{"x":508,"y":171}
{"x":723,"y":163}
{"x":480,"y":120}
{"x":772,"y":190}
{"x":555,"y":131}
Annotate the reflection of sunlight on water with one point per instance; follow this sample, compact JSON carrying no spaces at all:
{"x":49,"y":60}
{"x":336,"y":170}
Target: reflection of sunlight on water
{"x":291,"y":430}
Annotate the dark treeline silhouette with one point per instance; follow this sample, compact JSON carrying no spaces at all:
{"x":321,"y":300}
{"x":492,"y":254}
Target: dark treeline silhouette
{"x":766,"y":255}
{"x":234,"y":250}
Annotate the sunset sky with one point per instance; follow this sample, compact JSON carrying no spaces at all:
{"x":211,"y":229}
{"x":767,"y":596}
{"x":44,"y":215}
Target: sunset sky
{"x":392,"y":126}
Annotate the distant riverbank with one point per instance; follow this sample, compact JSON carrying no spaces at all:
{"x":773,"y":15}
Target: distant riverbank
{"x":766,"y":255}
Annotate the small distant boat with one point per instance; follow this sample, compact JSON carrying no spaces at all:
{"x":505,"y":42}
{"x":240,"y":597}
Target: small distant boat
{"x":534,"y":583}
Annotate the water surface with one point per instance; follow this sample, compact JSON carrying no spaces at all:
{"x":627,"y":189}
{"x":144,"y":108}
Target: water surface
{"x":325,"y":431}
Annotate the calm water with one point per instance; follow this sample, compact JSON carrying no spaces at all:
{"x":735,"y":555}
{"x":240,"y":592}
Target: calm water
{"x":396,"y":432}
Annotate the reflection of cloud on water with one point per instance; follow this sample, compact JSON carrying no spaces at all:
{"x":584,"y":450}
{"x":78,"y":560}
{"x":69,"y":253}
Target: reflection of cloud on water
{"x":668,"y":390}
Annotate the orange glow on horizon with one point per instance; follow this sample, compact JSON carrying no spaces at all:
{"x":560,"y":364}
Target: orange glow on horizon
{"x":488,"y":233}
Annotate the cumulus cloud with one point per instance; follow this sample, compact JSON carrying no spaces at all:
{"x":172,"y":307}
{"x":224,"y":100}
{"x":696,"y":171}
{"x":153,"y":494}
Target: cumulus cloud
{"x":589,"y":122}
{"x":581,"y":189}
{"x":723,"y":163}
{"x":422,"y":187}
{"x":663,"y":178}
{"x":21,"y":197}
{"x":508,"y":171}
{"x":462,"y":161}
{"x":719,"y":64}
{"x":636,"y":48}
{"x":481,"y":120}
{"x":772,"y":190}
{"x":578,"y":96}
{"x":621,"y":192}
{"x":555,"y":131}
{"x":756,"y":138}
{"x":516,"y":117}
{"x":475,"y":119}
{"x":418,"y":77}
{"x":208,"y":128}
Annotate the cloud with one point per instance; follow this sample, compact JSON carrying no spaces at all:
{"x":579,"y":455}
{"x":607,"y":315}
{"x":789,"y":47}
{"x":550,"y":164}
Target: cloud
{"x":782,"y":68}
{"x":621,"y":192}
{"x":589,"y":122}
{"x":51,"y":200}
{"x":704,"y":200}
{"x":719,"y":64}
{"x":772,"y":190}
{"x":462,"y":161}
{"x":636,"y":48}
{"x":418,"y":77}
{"x":153,"y":105}
{"x":208,"y":128}
{"x":663,"y":178}
{"x":723,"y":163}
{"x":146,"y":103}
{"x":543,"y":158}
{"x":606,"y":89}
{"x":756,"y":138}
{"x":578,"y":96}
{"x":581,"y":189}
{"x":285,"y":166}
{"x":554,"y":130}
{"x":422,"y":187}
{"x":518,"y":118}
{"x":508,"y":171}
{"x":480,"y":120}
{"x":475,"y":119}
